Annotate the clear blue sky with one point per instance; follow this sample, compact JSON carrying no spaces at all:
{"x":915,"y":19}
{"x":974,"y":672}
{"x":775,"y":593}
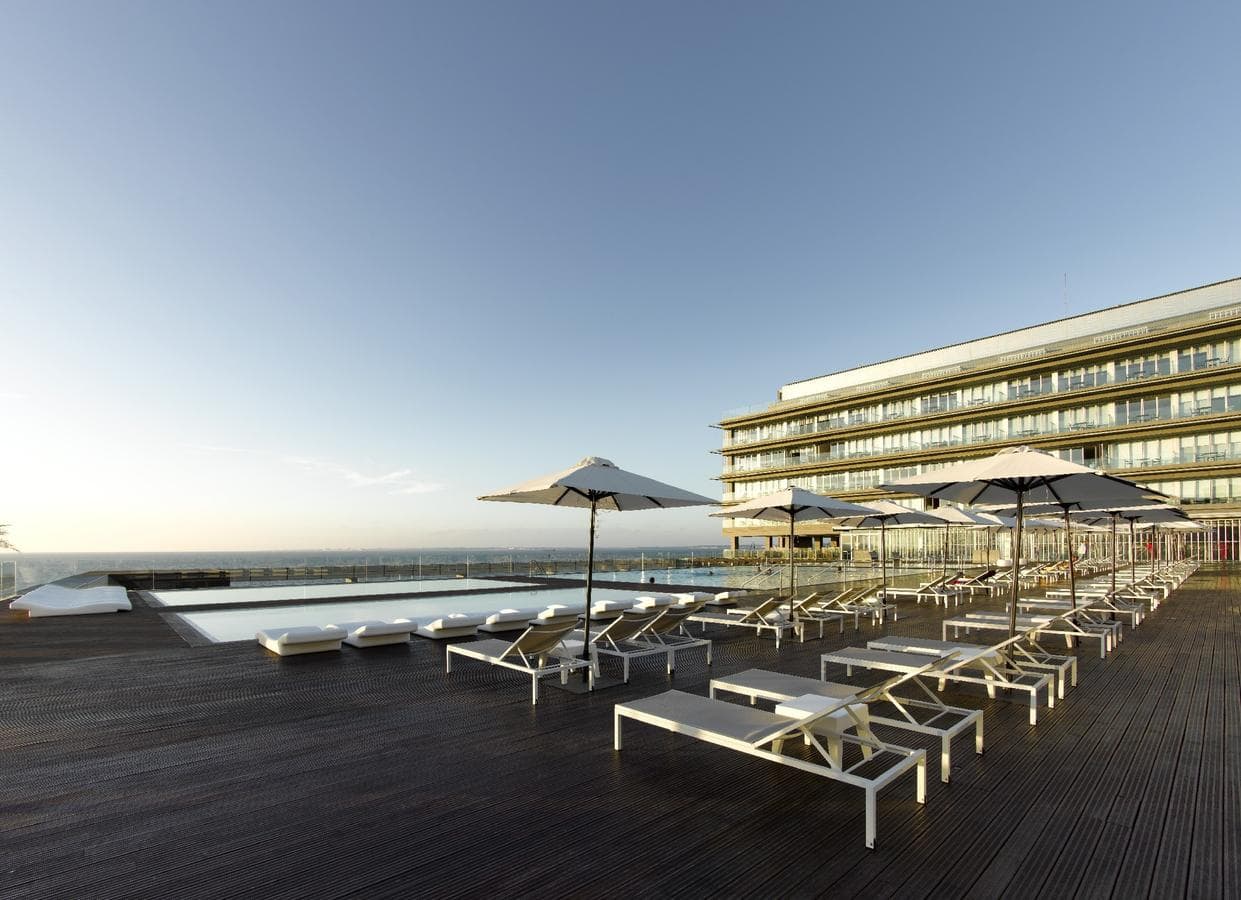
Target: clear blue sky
{"x":302,"y":275}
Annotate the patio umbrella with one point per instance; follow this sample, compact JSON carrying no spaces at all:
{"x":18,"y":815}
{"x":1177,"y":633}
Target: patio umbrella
{"x":1017,"y":475}
{"x":596,"y":483}
{"x":954,"y":515}
{"x":1133,"y":515}
{"x":882,"y":514}
{"x":792,"y":505}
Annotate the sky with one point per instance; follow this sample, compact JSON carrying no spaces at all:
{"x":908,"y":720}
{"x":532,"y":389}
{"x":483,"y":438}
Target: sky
{"x":305,"y":275}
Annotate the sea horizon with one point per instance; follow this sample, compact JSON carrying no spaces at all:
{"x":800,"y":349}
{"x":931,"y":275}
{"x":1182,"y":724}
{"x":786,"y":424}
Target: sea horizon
{"x":21,"y":570}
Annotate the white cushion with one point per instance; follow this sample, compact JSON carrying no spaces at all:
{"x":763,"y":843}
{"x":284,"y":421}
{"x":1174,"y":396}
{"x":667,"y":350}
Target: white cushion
{"x":455,"y":620}
{"x":652,"y":601}
{"x":509,"y":615}
{"x":300,"y":639}
{"x":693,"y":597}
{"x":556,"y":611}
{"x":603,"y":606}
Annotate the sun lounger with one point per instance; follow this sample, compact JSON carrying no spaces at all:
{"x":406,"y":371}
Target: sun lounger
{"x":669,"y":631}
{"x":538,"y":651}
{"x":1103,"y":605}
{"x":935,"y":591}
{"x":56,"y":600}
{"x":763,"y":734}
{"x":812,"y":610}
{"x":300,"y":639}
{"x":762,"y":618}
{"x":375,"y":633}
{"x":926,"y":716}
{"x":619,"y":638}
{"x":1028,"y":657}
{"x":653,"y":601}
{"x":1063,"y":625}
{"x":875,"y":606}
{"x":996,"y":670}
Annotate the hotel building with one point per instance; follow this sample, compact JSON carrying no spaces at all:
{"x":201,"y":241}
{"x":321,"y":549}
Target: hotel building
{"x":1149,"y":390}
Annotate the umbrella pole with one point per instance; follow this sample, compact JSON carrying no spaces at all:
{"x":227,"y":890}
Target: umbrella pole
{"x":1115,"y":560}
{"x":1068,"y":535}
{"x":1012,"y":611}
{"x":792,"y":568}
{"x":944,"y":571}
{"x":590,"y":578}
{"x":883,"y":556}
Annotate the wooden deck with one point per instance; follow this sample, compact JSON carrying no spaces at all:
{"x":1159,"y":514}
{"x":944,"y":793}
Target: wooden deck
{"x":137,"y":766}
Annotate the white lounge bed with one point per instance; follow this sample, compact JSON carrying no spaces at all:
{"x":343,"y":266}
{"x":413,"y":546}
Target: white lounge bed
{"x":57,"y":600}
{"x":299,"y":639}
{"x":375,"y":633}
{"x":451,"y":626}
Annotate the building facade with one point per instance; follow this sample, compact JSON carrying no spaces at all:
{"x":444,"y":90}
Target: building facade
{"x":1149,"y":390}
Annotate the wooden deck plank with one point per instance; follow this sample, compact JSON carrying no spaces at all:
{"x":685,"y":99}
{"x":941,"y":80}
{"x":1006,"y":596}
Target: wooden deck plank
{"x":139,"y":765}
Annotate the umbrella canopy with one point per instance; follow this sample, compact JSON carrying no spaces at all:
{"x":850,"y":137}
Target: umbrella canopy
{"x":1017,"y":475}
{"x":883,"y":513}
{"x":792,"y":505}
{"x":596,"y":483}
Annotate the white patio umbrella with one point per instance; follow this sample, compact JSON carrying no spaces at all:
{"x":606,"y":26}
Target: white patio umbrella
{"x":792,"y":505}
{"x":596,"y":483}
{"x":882,"y":514}
{"x":1017,"y":475}
{"x":1133,"y":515}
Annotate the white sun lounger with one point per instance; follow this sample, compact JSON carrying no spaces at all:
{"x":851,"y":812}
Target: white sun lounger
{"x":926,"y":716}
{"x":1095,"y":604}
{"x":762,"y":734}
{"x":1066,"y":625}
{"x":995,"y":671}
{"x":619,"y":638}
{"x":762,"y":618}
{"x":538,"y":651}
{"x":451,"y":626}
{"x":1028,"y":657}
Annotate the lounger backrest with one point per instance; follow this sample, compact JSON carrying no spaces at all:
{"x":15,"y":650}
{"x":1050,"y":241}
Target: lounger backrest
{"x":771,"y":604}
{"x":540,"y":637}
{"x":630,"y":623}
{"x":670,"y":621}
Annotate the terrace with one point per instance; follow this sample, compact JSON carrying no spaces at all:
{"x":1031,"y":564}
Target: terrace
{"x":139,"y":766}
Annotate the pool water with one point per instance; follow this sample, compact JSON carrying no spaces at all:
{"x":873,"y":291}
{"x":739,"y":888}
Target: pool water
{"x":286,"y":592}
{"x":223,"y":625}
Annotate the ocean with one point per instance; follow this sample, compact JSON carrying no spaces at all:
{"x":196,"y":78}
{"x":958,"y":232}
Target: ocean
{"x":27,"y":569}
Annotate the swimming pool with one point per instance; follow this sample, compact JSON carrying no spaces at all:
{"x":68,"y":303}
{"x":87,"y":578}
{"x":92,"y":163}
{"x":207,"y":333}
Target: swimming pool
{"x":219,"y":626}
{"x":286,"y":592}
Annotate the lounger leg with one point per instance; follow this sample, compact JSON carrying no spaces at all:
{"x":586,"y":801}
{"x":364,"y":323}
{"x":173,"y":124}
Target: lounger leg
{"x":822,"y":670}
{"x":870,"y":818}
{"x":616,"y":729}
{"x":921,"y":795}
{"x":534,"y":690}
{"x":1034,"y":706}
{"x":945,"y":758}
{"x":835,"y":747}
{"x":708,"y":653}
{"x":671,"y":663}
{"x":978,"y":736}
{"x":1060,"y":680}
{"x":1073,"y":669}
{"x":448,"y":663}
{"x":990,"y":685}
